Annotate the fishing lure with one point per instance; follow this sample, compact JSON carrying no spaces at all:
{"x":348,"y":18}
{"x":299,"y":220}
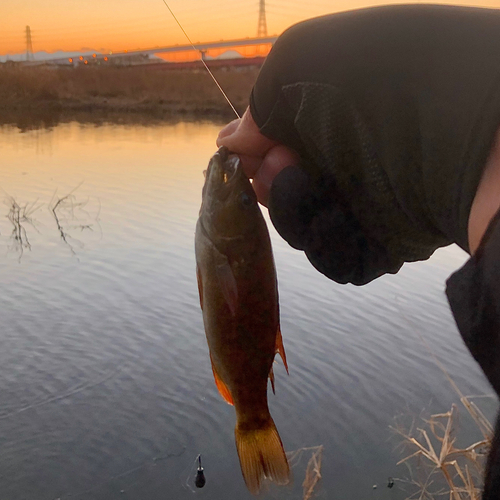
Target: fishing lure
{"x":200,"y":480}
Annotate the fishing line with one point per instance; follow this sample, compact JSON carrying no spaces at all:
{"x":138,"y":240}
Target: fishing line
{"x":201,"y":59}
{"x":192,"y":475}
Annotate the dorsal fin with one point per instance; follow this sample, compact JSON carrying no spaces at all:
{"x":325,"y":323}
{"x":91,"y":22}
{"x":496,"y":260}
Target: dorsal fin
{"x":223,"y":389}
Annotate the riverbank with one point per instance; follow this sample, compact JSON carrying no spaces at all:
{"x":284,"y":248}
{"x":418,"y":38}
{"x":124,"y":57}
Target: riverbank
{"x":39,"y":91}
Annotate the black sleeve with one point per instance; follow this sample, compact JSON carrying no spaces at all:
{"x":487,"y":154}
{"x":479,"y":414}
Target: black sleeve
{"x":474,"y":296}
{"x":393,"y":111}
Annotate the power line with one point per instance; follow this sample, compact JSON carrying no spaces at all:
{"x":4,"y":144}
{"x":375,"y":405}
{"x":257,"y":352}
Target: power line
{"x":299,"y":3}
{"x":145,"y":22}
{"x":152,"y":32}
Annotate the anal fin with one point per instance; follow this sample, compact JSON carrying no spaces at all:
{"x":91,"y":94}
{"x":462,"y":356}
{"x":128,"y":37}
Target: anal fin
{"x":223,"y":389}
{"x":271,"y":378}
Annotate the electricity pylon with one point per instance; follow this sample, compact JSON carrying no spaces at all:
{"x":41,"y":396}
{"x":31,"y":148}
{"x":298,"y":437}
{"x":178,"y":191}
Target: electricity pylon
{"x":29,"y":45}
{"x":262,"y":25}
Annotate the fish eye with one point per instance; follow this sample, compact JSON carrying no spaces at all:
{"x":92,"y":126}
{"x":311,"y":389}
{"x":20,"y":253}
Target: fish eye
{"x":246,"y":200}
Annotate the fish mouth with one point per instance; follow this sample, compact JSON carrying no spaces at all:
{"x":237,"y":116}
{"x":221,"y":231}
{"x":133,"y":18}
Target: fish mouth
{"x":224,"y":165}
{"x":223,"y":153}
{"x":222,"y":173}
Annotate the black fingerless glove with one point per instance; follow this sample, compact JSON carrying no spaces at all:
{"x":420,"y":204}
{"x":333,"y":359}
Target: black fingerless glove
{"x":311,"y":219}
{"x":338,"y":205}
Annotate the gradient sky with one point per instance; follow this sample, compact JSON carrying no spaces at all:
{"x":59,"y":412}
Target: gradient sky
{"x":129,"y":24}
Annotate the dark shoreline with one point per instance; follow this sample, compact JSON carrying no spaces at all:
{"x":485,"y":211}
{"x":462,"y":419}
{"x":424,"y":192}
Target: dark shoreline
{"x":42,"y":97}
{"x":52,"y":114}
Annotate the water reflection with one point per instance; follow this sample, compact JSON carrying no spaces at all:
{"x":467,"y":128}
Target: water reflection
{"x":106,"y":383}
{"x":32,"y":119}
{"x":48,"y":117}
{"x":20,"y":217}
{"x":72,"y":219}
{"x":72,"y":214}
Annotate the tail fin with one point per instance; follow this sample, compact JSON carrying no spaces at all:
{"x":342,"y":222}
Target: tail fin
{"x":261,"y":455}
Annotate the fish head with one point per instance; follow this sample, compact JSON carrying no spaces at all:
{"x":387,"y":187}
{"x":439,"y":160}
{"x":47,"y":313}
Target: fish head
{"x":229,"y":204}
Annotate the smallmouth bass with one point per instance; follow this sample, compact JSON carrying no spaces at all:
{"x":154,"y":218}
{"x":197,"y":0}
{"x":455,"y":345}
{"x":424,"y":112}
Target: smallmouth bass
{"x":239,"y":299}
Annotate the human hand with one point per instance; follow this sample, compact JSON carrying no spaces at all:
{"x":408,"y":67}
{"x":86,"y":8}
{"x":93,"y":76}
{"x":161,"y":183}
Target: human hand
{"x":262,"y":158}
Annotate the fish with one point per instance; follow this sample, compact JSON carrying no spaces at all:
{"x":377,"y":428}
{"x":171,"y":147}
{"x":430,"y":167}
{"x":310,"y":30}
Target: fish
{"x":238,"y":291}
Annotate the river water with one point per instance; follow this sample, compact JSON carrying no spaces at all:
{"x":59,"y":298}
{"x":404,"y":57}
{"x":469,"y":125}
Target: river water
{"x":105,"y":380}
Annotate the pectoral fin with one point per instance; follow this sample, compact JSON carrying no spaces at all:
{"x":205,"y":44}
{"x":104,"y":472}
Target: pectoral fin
{"x":223,"y":389}
{"x":200,"y":285}
{"x":280,"y":349}
{"x":227,"y":282}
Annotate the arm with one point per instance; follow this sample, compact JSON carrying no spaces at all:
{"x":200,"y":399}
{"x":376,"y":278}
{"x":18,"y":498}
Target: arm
{"x":391,"y":112}
{"x":487,"y":198}
{"x":392,"y":116}
{"x":265,"y":159}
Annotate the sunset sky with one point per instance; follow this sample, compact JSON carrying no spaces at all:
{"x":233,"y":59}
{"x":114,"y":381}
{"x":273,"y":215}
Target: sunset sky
{"x":117,"y":25}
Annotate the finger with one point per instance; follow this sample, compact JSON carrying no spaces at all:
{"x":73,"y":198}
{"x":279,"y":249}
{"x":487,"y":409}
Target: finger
{"x":274,"y":162}
{"x":250,"y":164}
{"x":228,"y":130}
{"x":262,"y":192}
{"x":246,"y":139}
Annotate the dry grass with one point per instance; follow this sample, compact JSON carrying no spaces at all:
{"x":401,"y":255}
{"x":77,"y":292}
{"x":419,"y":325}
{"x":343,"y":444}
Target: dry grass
{"x":313,"y":468}
{"x":123,"y":89}
{"x":313,"y":473}
{"x":438,"y":467}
